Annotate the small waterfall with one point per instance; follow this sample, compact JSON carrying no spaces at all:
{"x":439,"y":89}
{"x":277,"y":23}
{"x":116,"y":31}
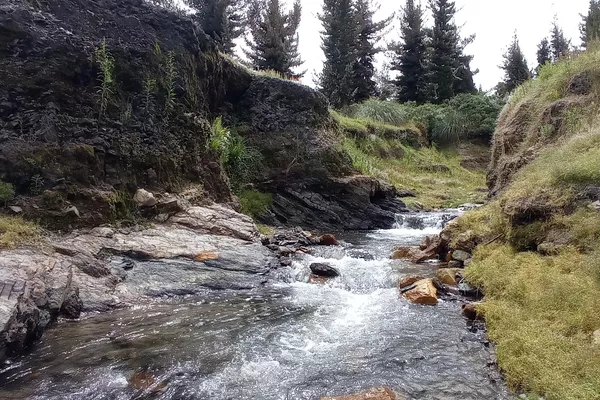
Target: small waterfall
{"x":425,"y":221}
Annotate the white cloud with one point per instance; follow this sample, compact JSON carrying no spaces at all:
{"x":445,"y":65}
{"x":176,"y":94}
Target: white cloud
{"x":493,"y":21}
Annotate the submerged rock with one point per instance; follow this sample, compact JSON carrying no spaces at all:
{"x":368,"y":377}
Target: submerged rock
{"x":383,"y":393}
{"x":325,"y":270}
{"x":423,"y":292}
{"x":327,"y":240}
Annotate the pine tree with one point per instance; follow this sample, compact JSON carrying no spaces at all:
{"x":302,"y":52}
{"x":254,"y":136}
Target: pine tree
{"x":464,"y":82}
{"x":590,"y":26}
{"x":449,"y":69}
{"x":223,"y":20}
{"x":339,"y":46}
{"x":368,"y":33}
{"x":515,"y":67}
{"x":559,"y":44}
{"x":409,"y":55}
{"x":274,"y":41}
{"x":544,"y":53}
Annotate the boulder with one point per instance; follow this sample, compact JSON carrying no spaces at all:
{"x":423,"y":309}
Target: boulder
{"x":471,"y":311}
{"x":409,"y":281}
{"x":16,"y":209}
{"x":324,"y":270}
{"x":143,"y":198}
{"x":466,"y":242}
{"x":437,"y":246}
{"x":424,"y":292}
{"x":327,"y":240}
{"x":448,"y":276}
{"x":382,"y":393}
{"x":460,"y":255}
{"x":402,"y":253}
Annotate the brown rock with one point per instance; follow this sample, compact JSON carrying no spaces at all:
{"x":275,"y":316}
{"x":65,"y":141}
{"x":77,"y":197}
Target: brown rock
{"x":206,"y":255}
{"x":436,"y":245}
{"x":424,"y":293}
{"x":426,"y":243}
{"x":144,"y":380}
{"x":328,"y":240}
{"x":383,"y":393}
{"x":471,"y":313}
{"x":455,"y":264}
{"x":448,"y":276}
{"x":318,"y":280}
{"x":402,"y":253}
{"x":409,"y":280}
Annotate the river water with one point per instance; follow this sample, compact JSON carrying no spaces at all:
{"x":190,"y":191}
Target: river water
{"x":288,"y":340}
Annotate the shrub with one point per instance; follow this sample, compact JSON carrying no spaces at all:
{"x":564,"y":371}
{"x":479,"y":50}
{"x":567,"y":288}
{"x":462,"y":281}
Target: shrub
{"x":15,"y":231}
{"x":254,"y":202}
{"x":7,"y":192}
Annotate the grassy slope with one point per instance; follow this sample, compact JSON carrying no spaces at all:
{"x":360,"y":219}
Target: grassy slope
{"x":377,"y":153}
{"x":542,"y":310}
{"x":15,"y":231}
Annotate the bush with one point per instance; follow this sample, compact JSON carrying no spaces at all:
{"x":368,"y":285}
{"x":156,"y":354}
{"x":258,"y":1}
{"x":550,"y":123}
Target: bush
{"x":15,"y":231}
{"x":254,"y":202}
{"x":7,"y":192}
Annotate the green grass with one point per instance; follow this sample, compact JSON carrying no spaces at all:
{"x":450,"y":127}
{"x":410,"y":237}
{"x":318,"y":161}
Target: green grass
{"x":7,"y":192}
{"x":15,"y":231}
{"x":542,"y":310}
{"x":414,"y":170}
{"x":254,"y":202}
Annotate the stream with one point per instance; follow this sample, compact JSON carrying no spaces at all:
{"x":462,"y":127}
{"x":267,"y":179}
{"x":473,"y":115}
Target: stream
{"x":288,"y":340}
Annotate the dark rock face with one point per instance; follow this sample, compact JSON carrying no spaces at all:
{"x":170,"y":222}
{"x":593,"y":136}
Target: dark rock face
{"x":354,"y":203}
{"x":324,"y":270}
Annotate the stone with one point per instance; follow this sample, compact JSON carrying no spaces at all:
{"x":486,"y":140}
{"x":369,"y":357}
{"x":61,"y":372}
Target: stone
{"x":409,"y":281}
{"x":460,"y":255}
{"x":548,"y":249}
{"x":448,"y":276}
{"x":468,"y":262}
{"x":403,"y":253}
{"x":471,"y":312}
{"x":595,"y":206}
{"x":206,"y":255}
{"x":455,"y":264}
{"x":467,"y":290}
{"x":318,"y":280}
{"x":325,"y":270}
{"x":466,"y":242}
{"x":16,"y":209}
{"x":383,"y":393}
{"x":596,"y":337}
{"x":423,"y":293}
{"x":103,"y":232}
{"x":426,"y":242}
{"x":143,"y":198}
{"x":71,"y":212}
{"x":327,"y":240}
{"x":402,"y":193}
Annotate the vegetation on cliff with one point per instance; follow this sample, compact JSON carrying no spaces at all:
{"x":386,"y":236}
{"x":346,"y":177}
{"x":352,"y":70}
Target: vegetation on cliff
{"x":539,"y":236}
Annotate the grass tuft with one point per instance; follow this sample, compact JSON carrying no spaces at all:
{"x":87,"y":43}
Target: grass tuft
{"x":254,"y":203}
{"x":15,"y":231}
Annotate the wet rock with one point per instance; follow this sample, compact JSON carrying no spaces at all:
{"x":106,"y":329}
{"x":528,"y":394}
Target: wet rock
{"x":460,"y":255}
{"x":383,"y":393}
{"x":403,"y":253}
{"x":455,"y":264}
{"x":318,"y":280}
{"x":424,"y":292}
{"x":325,"y":270}
{"x":435,"y":248}
{"x":449,"y":276}
{"x":146,"y":381}
{"x":72,"y":305}
{"x":327,"y":240}
{"x":471,"y":312}
{"x":143,"y":198}
{"x":467,"y":290}
{"x":409,"y":281}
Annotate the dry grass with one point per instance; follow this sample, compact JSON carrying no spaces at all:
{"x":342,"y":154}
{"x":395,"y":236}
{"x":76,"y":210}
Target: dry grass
{"x":15,"y":231}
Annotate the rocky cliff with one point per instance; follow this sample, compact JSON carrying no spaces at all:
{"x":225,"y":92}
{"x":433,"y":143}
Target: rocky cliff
{"x":99,"y":98}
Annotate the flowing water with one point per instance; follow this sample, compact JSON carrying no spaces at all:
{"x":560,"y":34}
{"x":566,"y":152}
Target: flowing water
{"x":288,"y":340}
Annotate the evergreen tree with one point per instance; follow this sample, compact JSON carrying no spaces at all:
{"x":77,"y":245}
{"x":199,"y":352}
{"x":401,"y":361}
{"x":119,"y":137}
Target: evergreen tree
{"x":274,"y":41}
{"x":590,"y":26}
{"x":544,"y":53}
{"x":339,"y":45}
{"x":368,"y":33}
{"x":449,"y":68}
{"x":515,"y":68}
{"x":385,"y":85}
{"x":559,"y":44}
{"x":464,"y":82}
{"x":409,"y":55}
{"x":223,"y":20}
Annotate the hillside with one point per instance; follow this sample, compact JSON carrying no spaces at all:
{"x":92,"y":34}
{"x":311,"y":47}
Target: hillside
{"x":538,"y":239}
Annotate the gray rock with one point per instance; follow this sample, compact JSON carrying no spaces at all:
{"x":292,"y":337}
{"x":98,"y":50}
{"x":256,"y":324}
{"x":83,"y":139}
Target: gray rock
{"x":324,"y":270}
{"x":143,"y":198}
{"x":71,"y":211}
{"x":460,"y":255}
{"x":16,"y":209}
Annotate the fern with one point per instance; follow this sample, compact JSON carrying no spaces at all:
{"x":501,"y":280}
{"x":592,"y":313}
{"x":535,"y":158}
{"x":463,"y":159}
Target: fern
{"x":106,"y":62}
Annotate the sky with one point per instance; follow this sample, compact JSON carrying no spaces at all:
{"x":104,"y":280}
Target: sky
{"x":493,"y":21}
